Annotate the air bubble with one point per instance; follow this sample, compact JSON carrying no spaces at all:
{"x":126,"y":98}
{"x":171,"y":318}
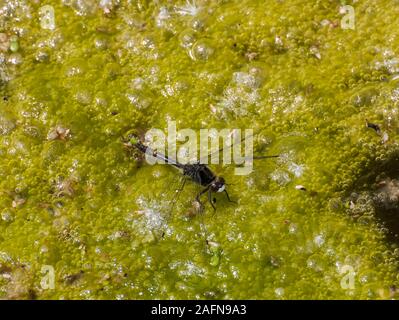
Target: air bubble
{"x":6,"y":125}
{"x":279,"y":292}
{"x":15,"y":59}
{"x":315,"y":262}
{"x":201,"y":50}
{"x":162,"y":17}
{"x":197,"y":24}
{"x":187,"y":38}
{"x":319,"y":240}
{"x":246,"y":79}
{"x":84,"y":7}
{"x":42,"y":56}
{"x":44,"y":249}
{"x":83,"y":97}
{"x":367,"y":277}
{"x":7,"y":216}
{"x":100,"y":43}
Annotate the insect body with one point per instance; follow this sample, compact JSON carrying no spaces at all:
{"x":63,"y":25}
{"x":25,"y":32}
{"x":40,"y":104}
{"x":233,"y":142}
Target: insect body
{"x":198,"y":173}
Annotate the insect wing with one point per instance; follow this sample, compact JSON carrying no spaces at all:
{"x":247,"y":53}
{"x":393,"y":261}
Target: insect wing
{"x":169,"y":197}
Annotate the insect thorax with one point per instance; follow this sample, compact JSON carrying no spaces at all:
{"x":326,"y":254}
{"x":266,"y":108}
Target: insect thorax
{"x":199,"y":173}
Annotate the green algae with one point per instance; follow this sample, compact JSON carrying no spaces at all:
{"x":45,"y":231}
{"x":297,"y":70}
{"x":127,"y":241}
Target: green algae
{"x":78,"y":201}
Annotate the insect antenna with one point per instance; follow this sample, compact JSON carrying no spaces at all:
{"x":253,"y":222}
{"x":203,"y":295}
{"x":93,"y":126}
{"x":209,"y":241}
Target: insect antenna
{"x":265,"y":157}
{"x":209,"y":155}
{"x":232,"y":145}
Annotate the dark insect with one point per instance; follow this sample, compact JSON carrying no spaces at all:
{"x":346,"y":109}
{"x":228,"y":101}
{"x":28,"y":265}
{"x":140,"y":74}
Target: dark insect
{"x":198,"y":173}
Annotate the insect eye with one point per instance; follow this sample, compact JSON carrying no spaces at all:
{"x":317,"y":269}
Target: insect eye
{"x":215,"y":186}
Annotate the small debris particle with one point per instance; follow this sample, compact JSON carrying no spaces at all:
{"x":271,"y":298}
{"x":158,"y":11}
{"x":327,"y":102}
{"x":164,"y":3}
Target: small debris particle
{"x":385,"y":137}
{"x":58,"y":133}
{"x":4,"y":42}
{"x":251,"y":55}
{"x":70,"y":279}
{"x":373,"y":126}
{"x":17,"y":202}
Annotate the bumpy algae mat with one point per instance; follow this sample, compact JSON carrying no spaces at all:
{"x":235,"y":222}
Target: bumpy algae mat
{"x":74,"y":201}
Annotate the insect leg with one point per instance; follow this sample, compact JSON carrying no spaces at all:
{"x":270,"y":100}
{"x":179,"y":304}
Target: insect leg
{"x":228,"y":198}
{"x":197,"y":198}
{"x":210,"y":199}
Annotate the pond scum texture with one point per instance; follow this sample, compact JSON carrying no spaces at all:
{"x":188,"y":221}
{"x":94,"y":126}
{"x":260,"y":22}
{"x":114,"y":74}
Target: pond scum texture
{"x":74,"y":201}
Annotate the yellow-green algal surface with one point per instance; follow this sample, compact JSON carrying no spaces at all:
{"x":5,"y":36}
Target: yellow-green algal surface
{"x":76,"y":202}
